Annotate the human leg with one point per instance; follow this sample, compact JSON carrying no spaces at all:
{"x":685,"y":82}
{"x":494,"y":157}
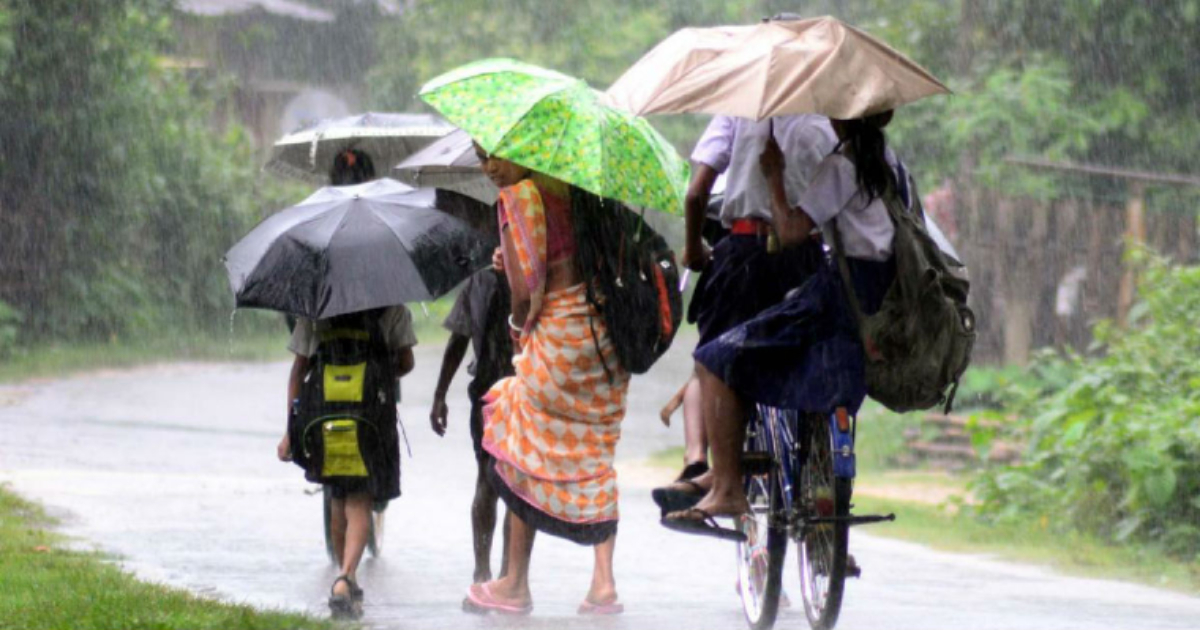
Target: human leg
{"x":602,"y":596}
{"x":354,"y":513}
{"x":483,"y":524}
{"x":357,"y":531}
{"x":337,"y":528}
{"x":510,"y":592}
{"x":725,"y":424}
{"x":694,"y":434}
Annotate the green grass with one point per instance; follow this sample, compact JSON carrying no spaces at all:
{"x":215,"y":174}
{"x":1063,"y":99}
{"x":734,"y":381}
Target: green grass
{"x":56,"y":360}
{"x":46,"y":587}
{"x":941,"y":527}
{"x":254,"y":336}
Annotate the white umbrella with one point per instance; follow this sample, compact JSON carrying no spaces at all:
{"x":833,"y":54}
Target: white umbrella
{"x":449,"y":163}
{"x":388,"y":138}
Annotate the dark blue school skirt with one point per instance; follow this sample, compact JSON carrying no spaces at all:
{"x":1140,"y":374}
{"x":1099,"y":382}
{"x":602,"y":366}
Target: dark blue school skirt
{"x":805,"y":353}
{"x":743,"y":279}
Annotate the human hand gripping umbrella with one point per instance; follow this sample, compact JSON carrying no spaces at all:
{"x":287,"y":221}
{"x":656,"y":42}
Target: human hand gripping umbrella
{"x":814,"y":66}
{"x":353,"y":248}
{"x":557,"y":125}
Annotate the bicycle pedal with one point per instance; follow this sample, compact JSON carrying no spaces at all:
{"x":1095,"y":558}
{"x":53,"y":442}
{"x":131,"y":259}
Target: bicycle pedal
{"x":756,"y":463}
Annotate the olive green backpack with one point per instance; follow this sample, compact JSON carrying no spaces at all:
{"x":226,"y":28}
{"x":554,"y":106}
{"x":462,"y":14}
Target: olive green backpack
{"x":919,"y":342}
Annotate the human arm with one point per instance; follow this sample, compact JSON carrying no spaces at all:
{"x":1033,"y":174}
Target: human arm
{"x":695,"y":252}
{"x":295,"y":380}
{"x":520,"y":295}
{"x":404,"y":361}
{"x":710,"y":157}
{"x":456,"y":349}
{"x":792,"y":224}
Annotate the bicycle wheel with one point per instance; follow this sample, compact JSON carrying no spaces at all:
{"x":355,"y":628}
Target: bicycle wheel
{"x":822,"y":546}
{"x":375,"y":541}
{"x":327,"y":506}
{"x":761,"y":556}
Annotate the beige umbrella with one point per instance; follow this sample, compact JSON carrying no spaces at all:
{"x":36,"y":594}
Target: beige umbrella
{"x":813,"y":66}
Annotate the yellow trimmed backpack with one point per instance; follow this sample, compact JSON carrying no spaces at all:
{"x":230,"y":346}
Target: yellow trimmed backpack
{"x":344,"y":426}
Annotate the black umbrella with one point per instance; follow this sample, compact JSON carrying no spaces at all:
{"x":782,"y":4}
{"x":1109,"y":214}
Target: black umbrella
{"x":352,"y":248}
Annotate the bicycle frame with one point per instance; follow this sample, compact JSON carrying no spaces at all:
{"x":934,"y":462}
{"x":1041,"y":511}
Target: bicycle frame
{"x":778,"y":433}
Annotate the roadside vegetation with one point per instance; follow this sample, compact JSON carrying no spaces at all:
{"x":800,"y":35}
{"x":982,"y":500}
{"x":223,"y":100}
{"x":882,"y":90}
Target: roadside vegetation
{"x":1108,"y":482}
{"x":47,"y":586}
{"x":1113,"y":447}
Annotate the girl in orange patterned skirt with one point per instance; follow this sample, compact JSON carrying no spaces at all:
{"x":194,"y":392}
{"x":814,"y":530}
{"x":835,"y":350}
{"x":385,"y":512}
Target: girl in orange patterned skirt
{"x":553,"y":427}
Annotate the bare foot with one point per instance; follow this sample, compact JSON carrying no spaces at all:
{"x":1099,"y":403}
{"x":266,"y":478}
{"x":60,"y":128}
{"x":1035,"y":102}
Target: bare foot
{"x":734,"y":504}
{"x":675,"y":403}
{"x":602,"y":595}
{"x":507,"y":591}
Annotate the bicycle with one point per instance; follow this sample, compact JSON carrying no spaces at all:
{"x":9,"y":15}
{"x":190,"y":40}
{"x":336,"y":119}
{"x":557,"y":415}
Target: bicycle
{"x":799,"y":475}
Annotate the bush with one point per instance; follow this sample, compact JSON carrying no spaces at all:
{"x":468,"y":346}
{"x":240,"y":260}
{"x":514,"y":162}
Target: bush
{"x":1116,"y":451}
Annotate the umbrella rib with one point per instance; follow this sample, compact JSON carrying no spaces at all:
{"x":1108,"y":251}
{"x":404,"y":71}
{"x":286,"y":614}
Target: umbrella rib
{"x":558,"y":141}
{"x":388,"y":228}
{"x":696,"y":68}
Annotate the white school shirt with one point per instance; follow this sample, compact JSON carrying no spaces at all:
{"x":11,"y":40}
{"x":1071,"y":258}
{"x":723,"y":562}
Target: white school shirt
{"x":733,"y":145}
{"x":716,"y":144}
{"x":865,"y":228}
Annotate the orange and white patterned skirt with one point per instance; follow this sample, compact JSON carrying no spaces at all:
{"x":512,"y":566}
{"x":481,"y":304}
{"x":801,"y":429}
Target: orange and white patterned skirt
{"x":553,"y":427}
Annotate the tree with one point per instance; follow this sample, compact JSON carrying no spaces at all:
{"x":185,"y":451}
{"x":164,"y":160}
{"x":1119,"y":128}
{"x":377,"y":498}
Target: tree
{"x":118,"y":198}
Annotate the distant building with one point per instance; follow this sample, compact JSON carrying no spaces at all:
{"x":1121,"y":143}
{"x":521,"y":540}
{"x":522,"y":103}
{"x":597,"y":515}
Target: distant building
{"x":290,"y":61}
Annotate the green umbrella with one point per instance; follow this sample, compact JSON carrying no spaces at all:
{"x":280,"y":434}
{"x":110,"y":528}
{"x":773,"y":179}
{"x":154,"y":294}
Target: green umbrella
{"x":557,"y":125}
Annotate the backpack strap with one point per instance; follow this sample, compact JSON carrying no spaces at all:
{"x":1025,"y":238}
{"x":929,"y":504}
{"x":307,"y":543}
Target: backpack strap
{"x":851,"y":296}
{"x":893,"y":201}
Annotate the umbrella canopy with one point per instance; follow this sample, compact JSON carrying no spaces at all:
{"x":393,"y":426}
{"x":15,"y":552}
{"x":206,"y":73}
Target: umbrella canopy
{"x":815,"y":66}
{"x":557,"y":125}
{"x":308,"y":153}
{"x":352,"y":248}
{"x":448,"y":163}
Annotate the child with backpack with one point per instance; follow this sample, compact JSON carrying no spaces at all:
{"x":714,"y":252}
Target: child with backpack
{"x":342,"y":424}
{"x":806,"y":352}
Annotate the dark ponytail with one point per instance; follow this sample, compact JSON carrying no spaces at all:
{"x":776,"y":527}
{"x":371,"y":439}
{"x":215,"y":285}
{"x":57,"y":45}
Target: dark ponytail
{"x":351,"y":166}
{"x":868,"y":149}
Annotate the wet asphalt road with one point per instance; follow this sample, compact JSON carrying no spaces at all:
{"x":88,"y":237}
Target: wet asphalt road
{"x":172,"y":469}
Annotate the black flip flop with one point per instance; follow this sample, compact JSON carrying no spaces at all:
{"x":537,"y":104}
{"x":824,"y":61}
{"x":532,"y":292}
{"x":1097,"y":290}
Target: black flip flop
{"x":669,"y":500}
{"x":705,"y":526}
{"x":674,"y":500}
{"x":692,"y":470}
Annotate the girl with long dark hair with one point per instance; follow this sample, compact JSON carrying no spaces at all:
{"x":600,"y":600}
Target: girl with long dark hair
{"x":552,"y":428}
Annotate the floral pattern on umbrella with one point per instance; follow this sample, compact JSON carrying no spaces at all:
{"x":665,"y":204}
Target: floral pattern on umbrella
{"x":557,"y":125}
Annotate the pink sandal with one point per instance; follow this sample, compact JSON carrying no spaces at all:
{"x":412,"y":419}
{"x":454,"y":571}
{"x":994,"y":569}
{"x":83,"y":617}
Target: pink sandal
{"x":480,"y":600}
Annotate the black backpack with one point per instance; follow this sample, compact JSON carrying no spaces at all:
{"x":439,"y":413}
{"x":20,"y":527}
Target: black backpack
{"x":631,"y":276}
{"x":344,"y":426}
{"x":919,"y":342}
